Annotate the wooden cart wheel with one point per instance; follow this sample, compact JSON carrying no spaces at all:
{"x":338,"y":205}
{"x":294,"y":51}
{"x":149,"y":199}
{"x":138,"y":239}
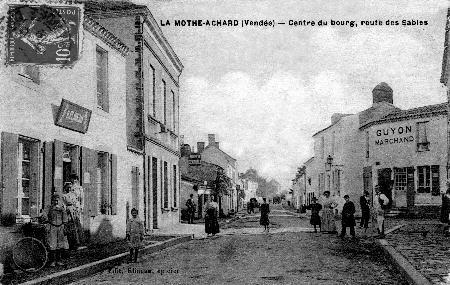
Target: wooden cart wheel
{"x":29,"y":254}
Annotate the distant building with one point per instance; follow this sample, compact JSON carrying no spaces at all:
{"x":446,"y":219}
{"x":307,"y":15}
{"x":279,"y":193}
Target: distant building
{"x":213,"y":154}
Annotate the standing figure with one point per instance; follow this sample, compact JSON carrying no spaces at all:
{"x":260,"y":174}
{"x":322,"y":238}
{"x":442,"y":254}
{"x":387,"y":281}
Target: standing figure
{"x":348,"y":218}
{"x":379,"y":204}
{"x":73,"y":227}
{"x":264,"y":220}
{"x":365,"y":210}
{"x":135,"y":235}
{"x":211,"y":214}
{"x":445,"y":211}
{"x":315,"y":210}
{"x":328,"y":223}
{"x":56,"y":217}
{"x":78,"y":191}
{"x":190,"y":209}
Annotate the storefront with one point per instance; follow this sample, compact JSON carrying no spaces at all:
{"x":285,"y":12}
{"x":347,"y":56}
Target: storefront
{"x":406,"y":156}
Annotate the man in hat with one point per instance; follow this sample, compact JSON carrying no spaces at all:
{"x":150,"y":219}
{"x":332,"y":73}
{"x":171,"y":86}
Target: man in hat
{"x":379,"y":203}
{"x":348,"y":218}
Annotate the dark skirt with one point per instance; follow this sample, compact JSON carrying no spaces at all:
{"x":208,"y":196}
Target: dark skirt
{"x":211,"y":223}
{"x":348,"y":221}
{"x":315,"y":220}
{"x":264,"y":220}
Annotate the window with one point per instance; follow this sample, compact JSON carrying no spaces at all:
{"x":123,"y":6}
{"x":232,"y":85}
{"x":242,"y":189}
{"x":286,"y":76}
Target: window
{"x":165,"y":102}
{"x":421,"y":137}
{"x":322,"y":147}
{"x":31,"y":72}
{"x":24,"y":178}
{"x":166,"y":189}
{"x":102,"y":79}
{"x":424,"y":176}
{"x":174,"y":186}
{"x":367,"y":144}
{"x":173,"y":110}
{"x":151,"y":90}
{"x":400,"y":181}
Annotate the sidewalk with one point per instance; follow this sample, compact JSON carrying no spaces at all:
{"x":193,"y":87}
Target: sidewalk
{"x":424,"y":248}
{"x":91,"y":260}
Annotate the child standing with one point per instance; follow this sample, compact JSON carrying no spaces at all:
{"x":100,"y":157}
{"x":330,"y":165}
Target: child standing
{"x":135,"y":234}
{"x":56,"y":217}
{"x":315,"y":209}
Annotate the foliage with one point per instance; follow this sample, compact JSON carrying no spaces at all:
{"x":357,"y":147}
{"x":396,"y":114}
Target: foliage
{"x":266,"y":188}
{"x":221,"y":184}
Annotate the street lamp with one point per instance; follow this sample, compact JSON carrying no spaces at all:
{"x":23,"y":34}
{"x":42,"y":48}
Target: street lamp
{"x":328,"y":163}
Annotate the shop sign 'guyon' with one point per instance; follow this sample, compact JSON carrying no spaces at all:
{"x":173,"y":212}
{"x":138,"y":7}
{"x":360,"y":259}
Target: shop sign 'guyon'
{"x":46,"y":35}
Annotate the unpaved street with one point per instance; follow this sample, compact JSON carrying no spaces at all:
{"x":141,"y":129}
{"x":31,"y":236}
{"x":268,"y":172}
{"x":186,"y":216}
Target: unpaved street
{"x":251,"y":257}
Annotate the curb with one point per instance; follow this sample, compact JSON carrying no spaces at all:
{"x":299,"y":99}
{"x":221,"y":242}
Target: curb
{"x":412,"y":275}
{"x":85,"y":270}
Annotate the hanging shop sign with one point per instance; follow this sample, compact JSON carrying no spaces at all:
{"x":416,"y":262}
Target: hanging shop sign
{"x":73,"y":117}
{"x":43,"y":34}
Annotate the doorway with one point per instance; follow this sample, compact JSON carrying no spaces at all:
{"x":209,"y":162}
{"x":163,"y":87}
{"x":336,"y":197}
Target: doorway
{"x":385,"y":182}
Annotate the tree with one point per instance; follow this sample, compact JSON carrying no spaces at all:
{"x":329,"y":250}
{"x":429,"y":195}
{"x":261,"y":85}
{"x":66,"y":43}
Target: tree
{"x":221,"y":184}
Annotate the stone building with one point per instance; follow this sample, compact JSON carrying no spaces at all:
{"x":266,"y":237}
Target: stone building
{"x":152,"y":118}
{"x":55,"y":122}
{"x":339,"y":149}
{"x":405,"y":154}
{"x":214,"y":155}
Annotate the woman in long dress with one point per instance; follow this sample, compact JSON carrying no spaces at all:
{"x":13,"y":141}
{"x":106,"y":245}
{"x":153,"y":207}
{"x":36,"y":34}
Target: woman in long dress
{"x":211,"y":223}
{"x":327,"y":223}
{"x":264,"y":220}
{"x":72,"y":206}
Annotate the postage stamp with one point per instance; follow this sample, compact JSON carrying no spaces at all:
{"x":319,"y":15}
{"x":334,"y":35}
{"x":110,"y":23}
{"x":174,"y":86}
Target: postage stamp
{"x":43,"y":34}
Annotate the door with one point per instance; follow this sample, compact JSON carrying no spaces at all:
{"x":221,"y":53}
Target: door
{"x":367,"y":181}
{"x":385,"y":182}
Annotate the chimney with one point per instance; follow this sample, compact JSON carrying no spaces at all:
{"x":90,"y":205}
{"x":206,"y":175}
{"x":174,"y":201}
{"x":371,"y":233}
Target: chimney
{"x":383,"y":93}
{"x":200,"y":147}
{"x":185,"y":150}
{"x":211,"y":139}
{"x":217,"y":144}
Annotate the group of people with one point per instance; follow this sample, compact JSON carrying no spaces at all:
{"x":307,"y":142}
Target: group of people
{"x":323,"y":214}
{"x":63,"y":219}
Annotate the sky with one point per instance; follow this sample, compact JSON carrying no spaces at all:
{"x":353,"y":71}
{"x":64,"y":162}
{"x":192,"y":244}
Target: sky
{"x":264,"y":91}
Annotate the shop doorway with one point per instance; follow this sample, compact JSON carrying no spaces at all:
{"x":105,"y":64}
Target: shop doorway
{"x":385,"y":182}
{"x":71,"y":161}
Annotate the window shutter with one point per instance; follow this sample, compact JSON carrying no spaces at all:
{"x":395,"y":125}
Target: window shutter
{"x":34,"y":181}
{"x":89,"y":173}
{"x":435,"y":190}
{"x":48,"y":173}
{"x":135,"y":187}
{"x":58,"y":174}
{"x":9,"y":172}
{"x":113,"y":184}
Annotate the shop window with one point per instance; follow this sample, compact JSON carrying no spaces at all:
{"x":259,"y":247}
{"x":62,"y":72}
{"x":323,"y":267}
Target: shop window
{"x":30,"y":72}
{"x":102,"y":79}
{"x":421,"y":136}
{"x":175,"y":186}
{"x":424,"y":176}
{"x":400,"y":181}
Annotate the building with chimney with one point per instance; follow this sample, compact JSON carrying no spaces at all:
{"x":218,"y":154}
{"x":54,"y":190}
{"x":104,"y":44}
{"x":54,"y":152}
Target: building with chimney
{"x":152,"y":115}
{"x":213,"y":154}
{"x":401,"y":151}
{"x":339,"y":149}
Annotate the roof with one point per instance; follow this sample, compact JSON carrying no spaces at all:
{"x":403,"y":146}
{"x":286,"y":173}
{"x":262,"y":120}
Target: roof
{"x":226,"y":154}
{"x":444,"y":75}
{"x":309,"y":161}
{"x":343,"y":115}
{"x":420,"y":112}
{"x":99,"y":31}
{"x":121,"y":8}
{"x":204,"y":171}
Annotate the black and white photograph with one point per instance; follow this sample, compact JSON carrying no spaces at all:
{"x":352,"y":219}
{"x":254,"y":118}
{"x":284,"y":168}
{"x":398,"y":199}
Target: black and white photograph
{"x":250,"y":142}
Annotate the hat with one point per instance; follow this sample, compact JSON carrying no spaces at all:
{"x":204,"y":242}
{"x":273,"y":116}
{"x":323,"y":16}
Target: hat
{"x":346,"y":197}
